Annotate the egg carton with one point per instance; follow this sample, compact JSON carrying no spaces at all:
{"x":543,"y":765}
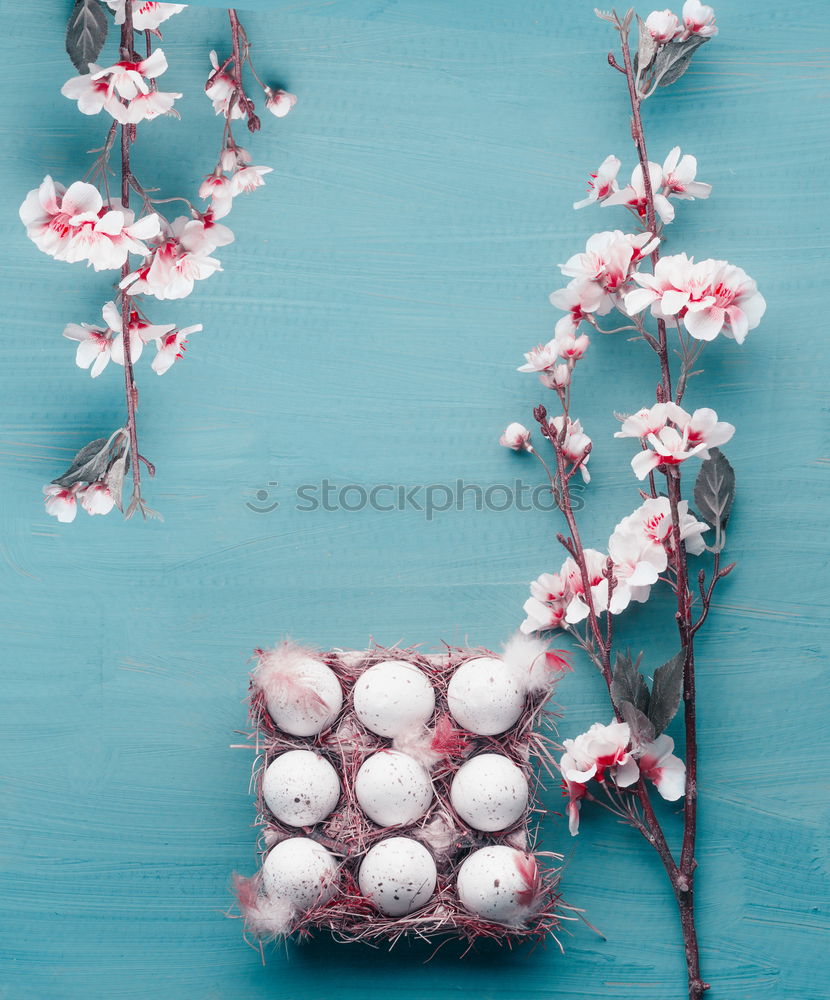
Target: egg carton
{"x":397,"y":794}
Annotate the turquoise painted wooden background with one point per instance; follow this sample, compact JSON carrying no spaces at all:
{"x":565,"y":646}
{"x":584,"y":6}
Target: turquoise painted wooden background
{"x":366,"y":330}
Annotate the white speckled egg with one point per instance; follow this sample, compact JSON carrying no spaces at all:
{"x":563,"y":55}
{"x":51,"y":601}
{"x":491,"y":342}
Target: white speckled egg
{"x":300,"y":787}
{"x":301,"y":871}
{"x":392,"y":697}
{"x":498,"y":883}
{"x":393,"y":788}
{"x":489,"y":792}
{"x":305,"y":700}
{"x":484,"y":697}
{"x":398,"y":875}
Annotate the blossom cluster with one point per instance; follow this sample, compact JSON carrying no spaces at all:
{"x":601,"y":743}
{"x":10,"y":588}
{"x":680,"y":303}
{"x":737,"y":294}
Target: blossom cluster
{"x":696,"y":18}
{"x":62,"y":501}
{"x":639,"y":551}
{"x":84,"y":222}
{"x":606,"y":753}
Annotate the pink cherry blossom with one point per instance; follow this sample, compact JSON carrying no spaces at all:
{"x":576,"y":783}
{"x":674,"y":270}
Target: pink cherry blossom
{"x":541,"y":358}
{"x":634,"y":194}
{"x":569,"y":346}
{"x":575,"y":443}
{"x":710,"y":297}
{"x":145,"y":107}
{"x":146,"y":16}
{"x":218,"y":188}
{"x":96,"y":498}
{"x":578,"y":609}
{"x":221,"y":89}
{"x":673,"y":435}
{"x":279,"y":102}
{"x":638,"y":564}
{"x":60,"y":502}
{"x":202,"y":235}
{"x":91,"y":92}
{"x":602,"y":183}
{"x":658,"y":764}
{"x":516,"y":437}
{"x":74,"y":224}
{"x":679,"y":177}
{"x":698,"y":19}
{"x":546,"y":606}
{"x":607,"y":263}
{"x":652,"y":520}
{"x":601,"y":752}
{"x":171,"y":348}
{"x":247,"y":179}
{"x":580,"y":298}
{"x":170,"y":272}
{"x":558,"y":378}
{"x":94,"y":346}
{"x":663,"y":26}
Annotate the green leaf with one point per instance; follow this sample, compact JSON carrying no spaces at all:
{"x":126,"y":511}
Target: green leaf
{"x":666,"y":690}
{"x":86,"y":33}
{"x":642,"y":728}
{"x":715,"y":492}
{"x":94,"y":460}
{"x":628,"y":684}
{"x":115,"y":476}
{"x":673,"y":59}
{"x":646,"y":48}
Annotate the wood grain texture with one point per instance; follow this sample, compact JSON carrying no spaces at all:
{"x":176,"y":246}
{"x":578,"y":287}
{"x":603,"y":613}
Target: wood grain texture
{"x":366,"y":330}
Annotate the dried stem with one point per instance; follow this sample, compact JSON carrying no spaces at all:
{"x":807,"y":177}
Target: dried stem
{"x":130,"y":388}
{"x":683,"y":883}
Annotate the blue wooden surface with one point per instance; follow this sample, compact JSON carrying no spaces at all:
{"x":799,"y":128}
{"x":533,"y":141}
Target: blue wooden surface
{"x":366,"y":329}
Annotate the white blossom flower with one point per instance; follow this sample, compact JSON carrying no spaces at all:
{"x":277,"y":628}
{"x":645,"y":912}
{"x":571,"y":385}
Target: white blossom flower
{"x":580,"y":298}
{"x":94,"y":346}
{"x":575,"y":443}
{"x":658,"y":764}
{"x":171,"y":348}
{"x":170,"y":272}
{"x":558,"y":378}
{"x":679,"y":177}
{"x":96,"y":498}
{"x":599,"y":753}
{"x":541,"y":358}
{"x":546,"y":606}
{"x":663,"y":25}
{"x":202,"y":235}
{"x":279,"y":102}
{"x":652,"y":520}
{"x":602,"y":183}
{"x":637,"y":565}
{"x":60,"y":502}
{"x":145,"y":107}
{"x":516,"y":437}
{"x":710,"y":297}
{"x":129,"y":79}
{"x":74,"y":224}
{"x":146,"y":16}
{"x":633,"y":195}
{"x":247,"y":179}
{"x":219,"y":190}
{"x":607,"y":262}
{"x":569,"y":346}
{"x":698,"y":19}
{"x":91,"y":92}
{"x":673,"y":435}
{"x":578,"y":609}
{"x":221,"y":89}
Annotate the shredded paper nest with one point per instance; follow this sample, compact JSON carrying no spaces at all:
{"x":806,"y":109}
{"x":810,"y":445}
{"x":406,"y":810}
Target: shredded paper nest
{"x":442,"y":747}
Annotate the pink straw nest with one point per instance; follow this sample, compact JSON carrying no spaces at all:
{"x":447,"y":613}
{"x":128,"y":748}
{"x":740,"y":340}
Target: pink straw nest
{"x":348,"y":833}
